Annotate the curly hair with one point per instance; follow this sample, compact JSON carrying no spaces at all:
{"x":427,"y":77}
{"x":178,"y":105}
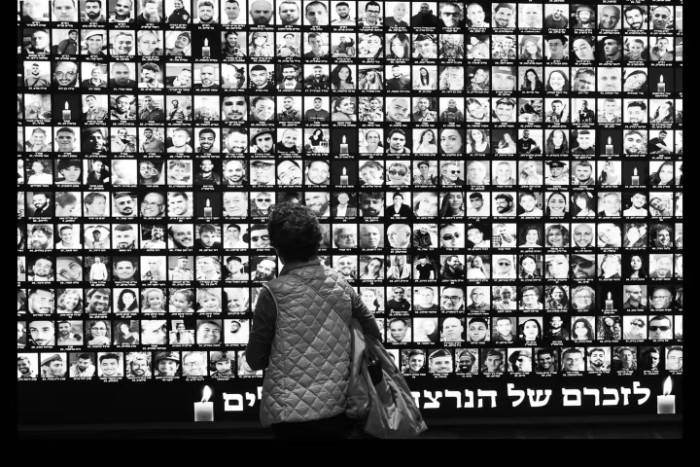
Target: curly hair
{"x":294,"y":231}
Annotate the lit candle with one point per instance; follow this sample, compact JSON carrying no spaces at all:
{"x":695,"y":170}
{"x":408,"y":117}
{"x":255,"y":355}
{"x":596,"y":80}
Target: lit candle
{"x":609,"y":302}
{"x":344,"y":146}
{"x":344,"y":178}
{"x":66,"y":113}
{"x":666,"y":404}
{"x":207,"y":209}
{"x":609,"y":147}
{"x":661,"y":85}
{"x":204,"y":411}
{"x":635,"y":178}
{"x":206,"y":49}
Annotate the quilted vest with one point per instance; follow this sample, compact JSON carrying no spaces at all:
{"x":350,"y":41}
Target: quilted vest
{"x":307,"y":374}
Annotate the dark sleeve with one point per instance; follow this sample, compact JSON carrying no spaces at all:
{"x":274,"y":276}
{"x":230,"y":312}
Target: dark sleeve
{"x":260,"y":341}
{"x":364,"y":315}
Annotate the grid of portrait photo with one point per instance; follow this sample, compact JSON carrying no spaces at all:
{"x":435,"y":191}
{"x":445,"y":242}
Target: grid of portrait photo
{"x":501,"y":182}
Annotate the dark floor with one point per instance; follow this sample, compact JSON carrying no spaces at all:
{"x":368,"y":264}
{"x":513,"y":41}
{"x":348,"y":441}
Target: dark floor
{"x":630,"y":427}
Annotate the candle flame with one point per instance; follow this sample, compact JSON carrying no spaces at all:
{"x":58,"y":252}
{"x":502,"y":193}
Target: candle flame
{"x":208,"y":203}
{"x":635,"y":171}
{"x":344,"y":141}
{"x":668,"y":386}
{"x":345,"y":172}
{"x":661,"y":78}
{"x":609,"y":296}
{"x":206,"y":394}
{"x":609,"y":140}
{"x":206,"y":42}
{"x":67,"y":105}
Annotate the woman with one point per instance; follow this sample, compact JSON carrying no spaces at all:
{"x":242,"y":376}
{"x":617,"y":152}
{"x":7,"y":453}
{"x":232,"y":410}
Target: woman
{"x":259,"y":46}
{"x":372,"y":143}
{"x":208,"y":301}
{"x":610,"y":267}
{"x":557,"y":81}
{"x":557,"y":267}
{"x":636,"y":331}
{"x":635,"y":82}
{"x":557,"y":143}
{"x":423,"y":83}
{"x":582,"y":204}
{"x":451,"y":141}
{"x":371,"y":81}
{"x":341,"y":78}
{"x":531,"y":81}
{"x":528,"y":268}
{"x":127,"y":303}
{"x":556,"y":205}
{"x":609,"y":176}
{"x":399,"y":269}
{"x":316,"y":137}
{"x":399,"y":47}
{"x":477,"y":142}
{"x":528,"y":174}
{"x":506,"y":145}
{"x":98,"y":333}
{"x":344,"y":110}
{"x":529,"y":49}
{"x":557,"y":236}
{"x":371,"y":46}
{"x":636,"y":268}
{"x":374,"y":270}
{"x":148,"y":44}
{"x":452,"y":204}
{"x":663,"y":175}
{"x":530,"y":298}
{"x":452,"y":79}
{"x":181,"y":301}
{"x":425,"y":204}
{"x":664,"y":113}
{"x":478,"y":47}
{"x":520,"y":362}
{"x":557,"y":299}
{"x":582,"y":330}
{"x":124,"y":336}
{"x":476,"y":269}
{"x":153,"y":301}
{"x":230,"y":47}
{"x":531,"y":238}
{"x":530,"y":332}
{"x":70,"y":301}
{"x":426,"y":143}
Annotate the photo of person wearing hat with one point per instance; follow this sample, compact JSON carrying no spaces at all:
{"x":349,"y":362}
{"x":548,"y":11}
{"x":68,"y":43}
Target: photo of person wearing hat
{"x":493,"y":360}
{"x":584,"y":17}
{"x":94,"y":44}
{"x":503,"y":78}
{"x":222,"y":364}
{"x":610,"y":49}
{"x":167,"y":364}
{"x":440,"y":362}
{"x":262,"y":142}
{"x":53,"y":366}
{"x":558,"y":173}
